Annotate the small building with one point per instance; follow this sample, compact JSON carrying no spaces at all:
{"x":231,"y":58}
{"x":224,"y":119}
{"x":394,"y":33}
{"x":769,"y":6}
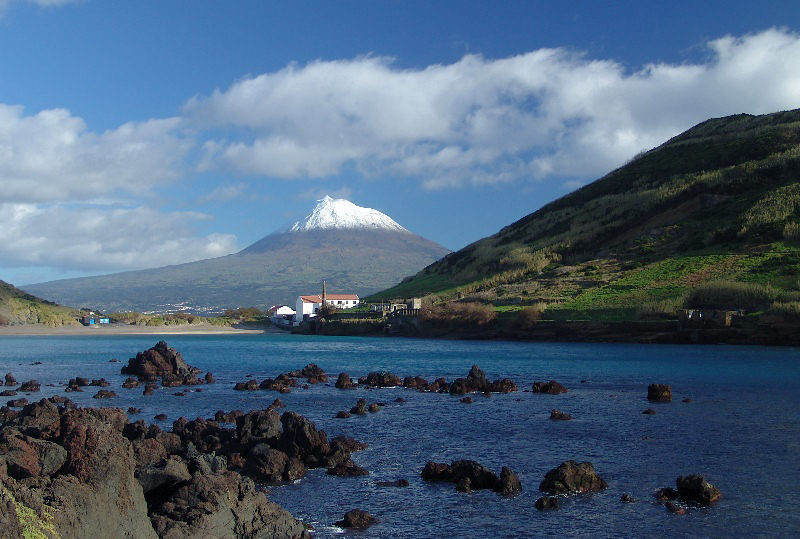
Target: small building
{"x":310,"y":305}
{"x":280,"y":310}
{"x":92,"y":319}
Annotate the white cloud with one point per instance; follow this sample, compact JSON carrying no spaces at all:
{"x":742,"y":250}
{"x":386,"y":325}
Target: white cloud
{"x":51,"y":156}
{"x":549,"y":112}
{"x":92,"y":240}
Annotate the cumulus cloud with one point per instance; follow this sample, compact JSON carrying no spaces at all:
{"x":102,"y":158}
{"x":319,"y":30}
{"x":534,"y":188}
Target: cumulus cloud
{"x":98,"y":239}
{"x":549,"y":112}
{"x":51,"y":156}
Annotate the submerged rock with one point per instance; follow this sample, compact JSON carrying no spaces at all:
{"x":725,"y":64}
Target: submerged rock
{"x":547,"y":502}
{"x":558,"y":415}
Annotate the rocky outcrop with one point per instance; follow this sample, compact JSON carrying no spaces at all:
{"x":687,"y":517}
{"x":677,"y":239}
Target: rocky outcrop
{"x":470,"y":475}
{"x":380,"y":379}
{"x":571,"y":476}
{"x":357,"y":519}
{"x":344,"y":381}
{"x":163,"y":362}
{"x":73,"y":472}
{"x":552,"y":387}
{"x":476,"y":382}
{"x":10,"y":380}
{"x":695,"y":489}
{"x":659,"y":393}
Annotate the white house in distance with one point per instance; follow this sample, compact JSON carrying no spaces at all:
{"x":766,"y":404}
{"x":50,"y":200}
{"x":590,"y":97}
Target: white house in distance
{"x":310,"y":305}
{"x":280,"y":310}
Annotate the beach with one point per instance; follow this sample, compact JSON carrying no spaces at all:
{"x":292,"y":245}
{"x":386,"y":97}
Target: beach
{"x":127,"y":329}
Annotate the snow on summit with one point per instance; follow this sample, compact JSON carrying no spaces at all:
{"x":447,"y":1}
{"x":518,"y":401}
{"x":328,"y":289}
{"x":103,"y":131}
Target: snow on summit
{"x":331,"y":213}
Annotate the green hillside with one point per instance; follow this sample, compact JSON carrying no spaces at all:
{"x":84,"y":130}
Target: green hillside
{"x":18,"y":307}
{"x":709,"y":217}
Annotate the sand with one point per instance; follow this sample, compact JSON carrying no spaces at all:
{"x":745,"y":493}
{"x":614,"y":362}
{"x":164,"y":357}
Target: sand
{"x":126,"y":329}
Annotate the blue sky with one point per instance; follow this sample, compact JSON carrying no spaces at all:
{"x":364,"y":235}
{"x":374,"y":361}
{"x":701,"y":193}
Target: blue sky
{"x":141,"y":134}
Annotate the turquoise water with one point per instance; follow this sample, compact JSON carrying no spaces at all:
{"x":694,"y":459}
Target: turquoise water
{"x":741,"y":430}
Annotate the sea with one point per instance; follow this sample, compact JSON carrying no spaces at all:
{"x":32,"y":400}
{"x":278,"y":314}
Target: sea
{"x":741,"y":430}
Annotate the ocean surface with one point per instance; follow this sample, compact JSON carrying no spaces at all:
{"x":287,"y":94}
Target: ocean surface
{"x":741,"y":430}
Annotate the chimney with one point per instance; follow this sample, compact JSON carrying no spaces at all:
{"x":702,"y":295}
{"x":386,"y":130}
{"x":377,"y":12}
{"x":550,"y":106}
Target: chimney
{"x":324,"y":293}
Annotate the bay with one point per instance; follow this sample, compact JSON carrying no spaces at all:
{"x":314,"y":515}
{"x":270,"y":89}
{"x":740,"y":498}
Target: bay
{"x":741,"y":430}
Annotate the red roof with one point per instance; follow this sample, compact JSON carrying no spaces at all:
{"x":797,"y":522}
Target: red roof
{"x":329,"y":297}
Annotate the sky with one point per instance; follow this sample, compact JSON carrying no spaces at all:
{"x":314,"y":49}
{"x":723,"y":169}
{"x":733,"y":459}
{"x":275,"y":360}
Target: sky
{"x":148,"y":133}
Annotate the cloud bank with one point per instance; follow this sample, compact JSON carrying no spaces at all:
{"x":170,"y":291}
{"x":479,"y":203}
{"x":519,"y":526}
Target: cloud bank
{"x":549,"y":112}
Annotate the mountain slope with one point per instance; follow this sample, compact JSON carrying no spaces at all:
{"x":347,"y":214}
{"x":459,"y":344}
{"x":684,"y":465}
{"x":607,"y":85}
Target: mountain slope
{"x":719,"y":201}
{"x":18,"y":307}
{"x":353,"y":249}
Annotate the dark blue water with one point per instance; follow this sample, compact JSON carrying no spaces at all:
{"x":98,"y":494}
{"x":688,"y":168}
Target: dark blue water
{"x":741,"y":430}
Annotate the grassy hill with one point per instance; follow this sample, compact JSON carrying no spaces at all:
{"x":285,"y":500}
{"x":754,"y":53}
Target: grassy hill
{"x":709,"y":218}
{"x":18,"y":307}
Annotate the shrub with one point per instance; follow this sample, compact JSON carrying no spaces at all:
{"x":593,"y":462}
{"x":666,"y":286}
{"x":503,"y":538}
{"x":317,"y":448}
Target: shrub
{"x":791,"y":231}
{"x":730,"y":295}
{"x":789,"y":310}
{"x":457,"y":313}
{"x":527,"y":317}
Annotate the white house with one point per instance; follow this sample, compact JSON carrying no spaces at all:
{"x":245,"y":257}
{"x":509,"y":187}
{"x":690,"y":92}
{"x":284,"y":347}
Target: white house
{"x":281,"y":310}
{"x":310,"y":305}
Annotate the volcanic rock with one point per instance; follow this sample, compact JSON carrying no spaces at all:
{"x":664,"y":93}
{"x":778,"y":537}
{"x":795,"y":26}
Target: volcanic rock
{"x":357,"y":519}
{"x":360,"y":408}
{"x":344,"y":381}
{"x":102,"y":382}
{"x":31,"y":386}
{"x":380,"y":379}
{"x":17,"y":403}
{"x":674,"y":508}
{"x":552,"y":387}
{"x":131,"y":383}
{"x":104,"y":394}
{"x":159,"y":361}
{"x":509,"y":484}
{"x":571,"y":476}
{"x":659,"y":393}
{"x":347,"y":469}
{"x":250,"y":385}
{"x":209,"y":378}
{"x":695,"y":489}
{"x":313,"y":373}
{"x":10,"y":380}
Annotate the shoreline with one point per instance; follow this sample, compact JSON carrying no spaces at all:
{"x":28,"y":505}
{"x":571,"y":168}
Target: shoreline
{"x":34,"y":330}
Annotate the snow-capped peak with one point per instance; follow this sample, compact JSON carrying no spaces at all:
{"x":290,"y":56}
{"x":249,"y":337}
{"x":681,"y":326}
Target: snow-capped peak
{"x":330,"y":213}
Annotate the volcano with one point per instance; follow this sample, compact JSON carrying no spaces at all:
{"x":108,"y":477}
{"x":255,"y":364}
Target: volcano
{"x":355,"y":249}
